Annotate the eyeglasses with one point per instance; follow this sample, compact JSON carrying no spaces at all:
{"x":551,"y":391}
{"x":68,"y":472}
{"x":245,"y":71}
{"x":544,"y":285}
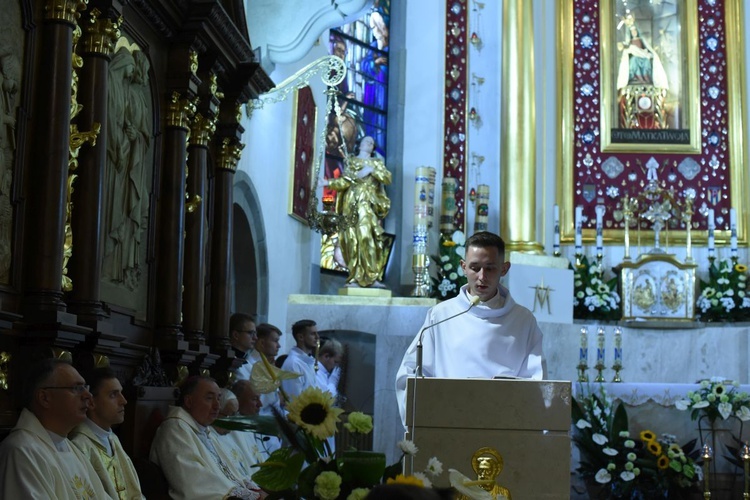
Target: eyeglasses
{"x":75,"y":389}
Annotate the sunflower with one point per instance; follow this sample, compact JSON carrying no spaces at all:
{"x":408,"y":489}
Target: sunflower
{"x":401,"y":479}
{"x":663,"y":462}
{"x":719,"y":390}
{"x":654,"y":448}
{"x":740,"y":268}
{"x":647,"y":436}
{"x":313,"y":411}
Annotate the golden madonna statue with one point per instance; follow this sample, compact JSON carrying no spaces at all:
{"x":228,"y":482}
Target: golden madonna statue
{"x":362,"y":191}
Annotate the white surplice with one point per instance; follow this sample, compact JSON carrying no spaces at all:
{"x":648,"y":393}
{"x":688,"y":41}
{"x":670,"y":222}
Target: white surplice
{"x":494,"y":338}
{"x":32,"y":465}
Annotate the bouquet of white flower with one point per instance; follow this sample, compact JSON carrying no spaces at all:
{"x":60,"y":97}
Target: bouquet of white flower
{"x":716,"y":397}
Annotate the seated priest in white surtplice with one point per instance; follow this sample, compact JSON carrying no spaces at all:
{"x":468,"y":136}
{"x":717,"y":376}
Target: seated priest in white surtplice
{"x":187,"y":449}
{"x":99,"y":444}
{"x":37,"y":460}
{"x":243,"y":446}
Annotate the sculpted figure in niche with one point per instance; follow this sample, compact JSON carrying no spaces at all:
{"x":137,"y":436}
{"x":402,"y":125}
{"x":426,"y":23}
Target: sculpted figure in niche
{"x":129,"y":134}
{"x":362,"y":193}
{"x":10,"y":74}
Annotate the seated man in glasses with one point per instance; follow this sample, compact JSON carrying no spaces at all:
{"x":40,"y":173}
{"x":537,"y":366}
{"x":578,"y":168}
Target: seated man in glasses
{"x":242,"y":337}
{"x":196,"y":464}
{"x":36,"y":459}
{"x":99,"y":444}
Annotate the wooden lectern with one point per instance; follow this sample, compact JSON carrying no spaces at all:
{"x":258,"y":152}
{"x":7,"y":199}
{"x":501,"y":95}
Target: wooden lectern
{"x":463,"y":422}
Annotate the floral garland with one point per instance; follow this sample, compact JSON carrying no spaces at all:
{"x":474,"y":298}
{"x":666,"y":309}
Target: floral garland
{"x":594,"y":297}
{"x":450,"y":276}
{"x":724,"y":296}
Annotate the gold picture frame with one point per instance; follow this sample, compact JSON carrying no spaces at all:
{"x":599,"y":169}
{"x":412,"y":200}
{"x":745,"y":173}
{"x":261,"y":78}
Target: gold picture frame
{"x":570,"y":135}
{"x":677,"y":102}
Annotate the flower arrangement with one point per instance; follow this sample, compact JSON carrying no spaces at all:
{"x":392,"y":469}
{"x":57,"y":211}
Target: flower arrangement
{"x":308,"y":468}
{"x":623,"y":465}
{"x":450,"y":277}
{"x":594,"y":297}
{"x":716,"y":397}
{"x":724,"y":296}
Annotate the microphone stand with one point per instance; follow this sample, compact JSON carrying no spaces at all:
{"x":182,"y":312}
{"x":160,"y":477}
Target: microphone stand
{"x":418,"y":372}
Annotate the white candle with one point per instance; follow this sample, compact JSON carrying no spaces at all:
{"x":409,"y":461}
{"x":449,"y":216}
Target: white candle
{"x":599,"y":229}
{"x":583,"y":352}
{"x":618,"y":346}
{"x":600,"y":346}
{"x":733,"y":232}
{"x":711,"y":228}
{"x":556,"y":232}
{"x":579,"y":229}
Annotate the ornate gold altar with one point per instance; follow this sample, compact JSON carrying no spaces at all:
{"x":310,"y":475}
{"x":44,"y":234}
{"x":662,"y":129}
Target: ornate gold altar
{"x":657,"y":285}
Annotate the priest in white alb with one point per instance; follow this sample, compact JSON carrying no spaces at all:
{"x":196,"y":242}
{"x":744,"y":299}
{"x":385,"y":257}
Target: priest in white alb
{"x":37,"y":460}
{"x":482,"y":332}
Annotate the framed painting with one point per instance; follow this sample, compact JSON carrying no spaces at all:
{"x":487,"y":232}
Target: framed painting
{"x":652,"y":94}
{"x":649,"y":75}
{"x":303,"y":146}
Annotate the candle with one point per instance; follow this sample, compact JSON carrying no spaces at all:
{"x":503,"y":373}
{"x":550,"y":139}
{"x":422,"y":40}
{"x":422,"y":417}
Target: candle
{"x":733,"y":232}
{"x":579,"y":230}
{"x":618,"y":346}
{"x":481,"y":219}
{"x":583,"y":351}
{"x":600,"y":346}
{"x":711,"y":228}
{"x":556,"y":230}
{"x":449,"y":210}
{"x":599,"y":229}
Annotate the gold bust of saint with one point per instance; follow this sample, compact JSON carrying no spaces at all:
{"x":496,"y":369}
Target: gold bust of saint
{"x":488,"y":464}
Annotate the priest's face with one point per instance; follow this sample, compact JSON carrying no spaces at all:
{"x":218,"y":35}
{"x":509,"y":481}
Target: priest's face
{"x":204,"y":403}
{"x":483,"y":267}
{"x":108,"y":404}
{"x":249,"y":401}
{"x":65,"y":399}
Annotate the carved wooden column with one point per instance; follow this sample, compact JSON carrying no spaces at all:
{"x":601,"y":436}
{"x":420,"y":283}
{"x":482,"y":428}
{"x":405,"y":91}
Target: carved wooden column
{"x":47,"y":168}
{"x":100,"y":36}
{"x":221,"y":245}
{"x":194,"y":295}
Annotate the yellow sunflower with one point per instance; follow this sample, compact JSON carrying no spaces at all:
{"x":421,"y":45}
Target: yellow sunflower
{"x":647,"y":436}
{"x":401,"y":479}
{"x":654,"y":448}
{"x":740,"y":268}
{"x":663,"y":462}
{"x":313,"y":411}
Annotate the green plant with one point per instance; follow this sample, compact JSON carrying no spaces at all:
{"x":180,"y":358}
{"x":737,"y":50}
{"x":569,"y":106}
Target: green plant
{"x":450,"y":276}
{"x":724,"y":296}
{"x":594,"y":297}
{"x":623,"y":465}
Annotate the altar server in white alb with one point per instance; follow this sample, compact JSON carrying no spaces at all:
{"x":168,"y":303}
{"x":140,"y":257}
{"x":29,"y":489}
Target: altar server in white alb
{"x":37,"y":460}
{"x":490,"y":334}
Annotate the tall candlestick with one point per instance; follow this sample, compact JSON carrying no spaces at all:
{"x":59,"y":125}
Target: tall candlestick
{"x":599,"y":355}
{"x":733,"y":233}
{"x":579,"y":230}
{"x":711,"y":229}
{"x":617,"y":364}
{"x":599,"y":229}
{"x":745,"y":456}
{"x":583,"y":356}
{"x":556,"y":230}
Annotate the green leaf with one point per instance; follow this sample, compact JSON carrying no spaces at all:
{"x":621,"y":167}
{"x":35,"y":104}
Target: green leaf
{"x":280,"y":471}
{"x":620,"y":421}
{"x":306,"y":484}
{"x":393,"y":470}
{"x":363,"y":468}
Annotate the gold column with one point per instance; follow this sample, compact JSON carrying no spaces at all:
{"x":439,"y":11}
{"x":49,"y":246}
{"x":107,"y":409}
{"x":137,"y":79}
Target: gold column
{"x":518,"y":144}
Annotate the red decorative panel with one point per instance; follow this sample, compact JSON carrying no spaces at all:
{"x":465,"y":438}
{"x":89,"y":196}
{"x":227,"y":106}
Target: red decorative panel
{"x":454,"y":103}
{"x":304,"y":151}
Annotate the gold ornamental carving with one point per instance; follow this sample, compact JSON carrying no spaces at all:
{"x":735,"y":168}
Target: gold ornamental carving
{"x":101,"y":34}
{"x":229,"y":155}
{"x":64,"y":10}
{"x":179,"y":111}
{"x":4,"y":369}
{"x":202,"y":129}
{"x":194,"y":62}
{"x":487,"y":464}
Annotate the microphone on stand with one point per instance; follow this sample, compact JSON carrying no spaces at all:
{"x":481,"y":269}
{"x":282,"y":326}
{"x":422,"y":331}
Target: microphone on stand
{"x":418,"y":374}
{"x":473,"y":301}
